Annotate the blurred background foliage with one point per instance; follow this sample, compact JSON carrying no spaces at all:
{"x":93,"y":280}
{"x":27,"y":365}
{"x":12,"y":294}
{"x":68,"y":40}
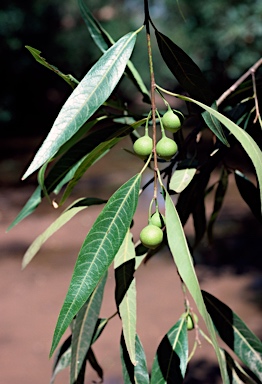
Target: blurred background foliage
{"x":222,"y":36}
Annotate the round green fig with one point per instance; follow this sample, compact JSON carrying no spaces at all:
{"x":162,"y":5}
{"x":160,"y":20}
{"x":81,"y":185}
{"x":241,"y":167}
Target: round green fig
{"x":157,"y":219}
{"x":143,"y":146}
{"x":171,"y":121}
{"x":166,"y":148}
{"x":151,"y":236}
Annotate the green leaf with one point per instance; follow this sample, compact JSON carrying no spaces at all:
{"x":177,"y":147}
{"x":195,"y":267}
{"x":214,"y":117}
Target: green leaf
{"x":199,"y":219}
{"x":103,"y":40}
{"x":89,"y":95}
{"x":181,"y":178}
{"x":170,"y":362}
{"x":28,"y":208}
{"x":236,"y":373}
{"x":84,"y":327}
{"x":137,"y":374}
{"x":234,"y":332}
{"x":62,"y":359}
{"x":98,"y":251}
{"x":249,"y":193}
{"x":183,"y":260}
{"x":213,"y":123}
{"x":247,"y":142}
{"x":94,"y":364}
{"x":185,"y":70}
{"x":67,"y":215}
{"x":218,"y":201}
{"x":125,"y":292}
{"x":68,"y":78}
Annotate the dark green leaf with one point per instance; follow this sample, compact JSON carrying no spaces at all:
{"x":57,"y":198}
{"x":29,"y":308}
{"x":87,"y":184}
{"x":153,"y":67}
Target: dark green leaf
{"x":170,"y":362}
{"x":84,"y":327}
{"x":234,"y":332}
{"x":214,"y":124}
{"x":98,"y":251}
{"x":62,"y":359}
{"x":94,"y":364}
{"x":103,"y":40}
{"x":138,"y":373}
{"x":249,"y":193}
{"x":218,"y":201}
{"x":199,"y":218}
{"x":185,"y":70}
{"x":236,"y":373}
{"x":89,"y":95}
{"x":68,"y":78}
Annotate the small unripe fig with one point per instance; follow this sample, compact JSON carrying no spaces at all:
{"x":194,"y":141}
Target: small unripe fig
{"x":157,"y":219}
{"x":190,"y":322}
{"x":171,"y":121}
{"x":166,"y":148}
{"x":143,"y":146}
{"x":151,"y":236}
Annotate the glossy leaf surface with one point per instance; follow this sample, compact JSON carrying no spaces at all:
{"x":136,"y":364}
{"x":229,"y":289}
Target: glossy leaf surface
{"x":181,"y":178}
{"x":98,"y":251}
{"x":88,"y":96}
{"x":170,"y":362}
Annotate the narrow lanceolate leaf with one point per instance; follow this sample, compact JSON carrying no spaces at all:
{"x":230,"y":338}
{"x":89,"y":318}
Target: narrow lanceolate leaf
{"x":37,"y":55}
{"x":170,"y":362}
{"x":62,"y":358}
{"x":213,"y":123}
{"x":218,"y":201}
{"x":84,"y":327}
{"x":234,"y":332}
{"x":247,"y":142}
{"x":249,"y":193}
{"x":89,"y":95}
{"x":183,"y":260}
{"x":103,"y":40}
{"x":185,"y":70}
{"x":98,"y":251}
{"x":137,"y":374}
{"x":181,"y":178}
{"x":236,"y":373}
{"x":126,"y":292}
{"x":66,"y":216}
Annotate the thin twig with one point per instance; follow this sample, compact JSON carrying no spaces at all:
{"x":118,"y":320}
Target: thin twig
{"x":255,"y":97}
{"x":239,"y":81}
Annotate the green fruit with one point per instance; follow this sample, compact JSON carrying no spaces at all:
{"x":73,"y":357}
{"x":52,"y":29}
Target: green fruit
{"x":143,"y":146}
{"x":166,"y":148}
{"x":171,"y":121}
{"x":157,"y":219}
{"x":151,"y":236}
{"x":190,"y":322}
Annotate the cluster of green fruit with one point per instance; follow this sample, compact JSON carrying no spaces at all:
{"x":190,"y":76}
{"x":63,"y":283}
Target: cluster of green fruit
{"x":151,"y":236}
{"x":166,"y":148}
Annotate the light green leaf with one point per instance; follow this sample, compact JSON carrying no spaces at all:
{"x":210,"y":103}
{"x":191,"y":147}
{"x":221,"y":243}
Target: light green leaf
{"x":247,"y":142}
{"x":170,"y":362}
{"x":181,"y":178}
{"x":234,"y":332}
{"x":126,"y":292}
{"x":67,"y":215}
{"x":137,"y":374}
{"x":89,"y":95}
{"x":183,"y":259}
{"x":63,"y":362}
{"x":68,"y":78}
{"x":98,"y":251}
{"x":84,"y":327}
{"x":103,"y":40}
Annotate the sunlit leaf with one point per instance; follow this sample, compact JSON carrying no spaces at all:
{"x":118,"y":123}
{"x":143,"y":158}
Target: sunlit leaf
{"x":181,"y":178}
{"x":137,"y":374}
{"x":98,"y":251}
{"x":66,"y":216}
{"x":87,"y":97}
{"x":234,"y":332}
{"x":103,"y":40}
{"x":84,"y":327}
{"x":183,"y":260}
{"x":68,"y":78}
{"x":170,"y":362}
{"x":247,"y":142}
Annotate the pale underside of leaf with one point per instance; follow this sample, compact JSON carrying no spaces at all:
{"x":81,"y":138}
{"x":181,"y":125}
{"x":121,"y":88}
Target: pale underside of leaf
{"x":181,"y":178}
